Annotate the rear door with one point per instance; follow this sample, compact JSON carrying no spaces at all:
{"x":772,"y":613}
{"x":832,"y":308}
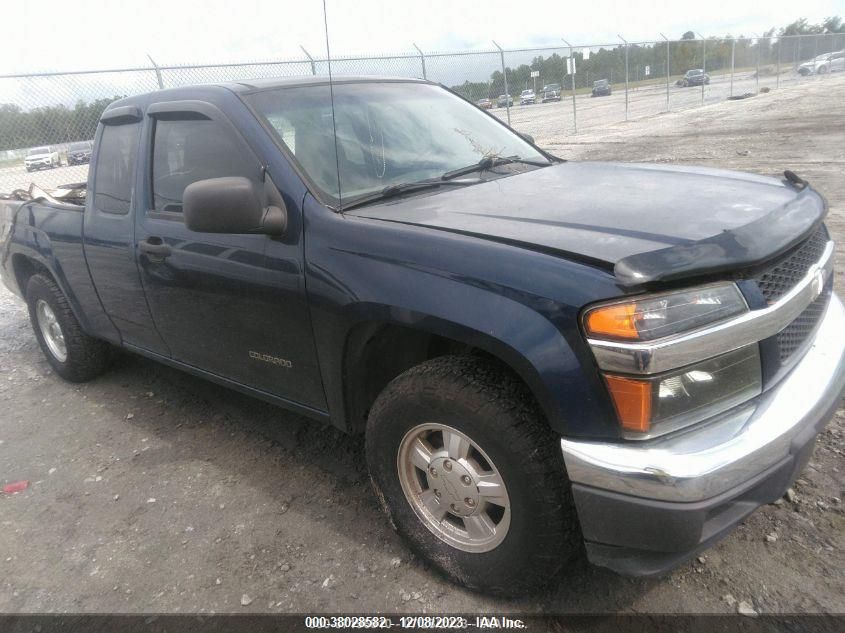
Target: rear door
{"x":108,"y":230}
{"x":232,"y":305}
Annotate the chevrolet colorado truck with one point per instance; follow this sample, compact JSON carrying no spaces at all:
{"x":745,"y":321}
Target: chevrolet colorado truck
{"x":547,"y":359}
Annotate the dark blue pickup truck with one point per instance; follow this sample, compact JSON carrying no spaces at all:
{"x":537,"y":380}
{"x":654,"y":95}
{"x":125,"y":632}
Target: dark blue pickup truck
{"x":544,"y":356}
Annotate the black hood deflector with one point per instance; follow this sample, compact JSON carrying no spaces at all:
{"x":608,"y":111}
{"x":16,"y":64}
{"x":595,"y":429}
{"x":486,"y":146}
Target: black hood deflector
{"x":731,"y":250}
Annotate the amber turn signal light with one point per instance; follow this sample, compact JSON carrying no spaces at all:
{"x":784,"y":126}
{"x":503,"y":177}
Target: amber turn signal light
{"x":615,"y":321}
{"x":632,"y":400}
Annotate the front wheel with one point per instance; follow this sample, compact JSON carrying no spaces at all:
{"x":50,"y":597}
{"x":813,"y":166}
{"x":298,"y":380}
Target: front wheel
{"x":73,"y":355}
{"x":471,"y":476}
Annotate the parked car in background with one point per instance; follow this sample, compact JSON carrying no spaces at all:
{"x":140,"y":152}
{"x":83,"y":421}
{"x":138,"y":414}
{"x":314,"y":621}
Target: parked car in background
{"x":824,"y":63}
{"x":484,"y":104}
{"x":79,"y":153}
{"x":504,"y":101}
{"x":601,"y":88}
{"x":527,"y":97}
{"x":695,"y":77}
{"x":44,"y":157}
{"x":551,"y":92}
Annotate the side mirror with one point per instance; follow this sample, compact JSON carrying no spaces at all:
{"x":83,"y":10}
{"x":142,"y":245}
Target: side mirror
{"x":230,"y":205}
{"x":527,"y":137}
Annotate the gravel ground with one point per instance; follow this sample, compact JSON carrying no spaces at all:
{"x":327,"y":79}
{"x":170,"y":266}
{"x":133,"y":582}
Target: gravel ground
{"x":153,"y":491}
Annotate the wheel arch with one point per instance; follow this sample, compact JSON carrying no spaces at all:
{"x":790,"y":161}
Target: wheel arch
{"x":26,"y":265}
{"x":377,"y":351}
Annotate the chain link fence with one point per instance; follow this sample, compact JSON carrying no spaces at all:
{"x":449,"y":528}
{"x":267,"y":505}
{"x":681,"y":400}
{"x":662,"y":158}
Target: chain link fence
{"x":48,"y":120}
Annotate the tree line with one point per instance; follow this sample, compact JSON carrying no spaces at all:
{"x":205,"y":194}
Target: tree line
{"x":49,"y":125}
{"x":713,"y":54}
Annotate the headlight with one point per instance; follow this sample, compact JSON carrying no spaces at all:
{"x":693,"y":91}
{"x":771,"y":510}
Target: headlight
{"x":658,"y":316}
{"x":659,"y":404}
{"x":656,"y":404}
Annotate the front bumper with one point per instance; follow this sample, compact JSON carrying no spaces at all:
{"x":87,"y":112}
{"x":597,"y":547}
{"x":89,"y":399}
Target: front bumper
{"x":645,"y":507}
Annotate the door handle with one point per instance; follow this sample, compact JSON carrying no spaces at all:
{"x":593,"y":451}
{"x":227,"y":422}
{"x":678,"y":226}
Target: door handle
{"x":155,"y":248}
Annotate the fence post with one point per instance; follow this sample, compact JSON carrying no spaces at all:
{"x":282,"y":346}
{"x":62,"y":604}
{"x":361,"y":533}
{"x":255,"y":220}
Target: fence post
{"x":668,"y":71}
{"x":574,"y":107}
{"x":777,"y":67}
{"x":626,"y":74}
{"x":310,"y":59}
{"x":157,"y":71}
{"x":505,"y":76}
{"x":757,"y":64}
{"x":815,"y":54}
{"x":422,"y":61}
{"x":733,"y":57}
{"x":703,"y":62}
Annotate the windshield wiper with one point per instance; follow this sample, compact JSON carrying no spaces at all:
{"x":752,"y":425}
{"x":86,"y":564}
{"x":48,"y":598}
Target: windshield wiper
{"x":406,"y":187}
{"x":488,"y":162}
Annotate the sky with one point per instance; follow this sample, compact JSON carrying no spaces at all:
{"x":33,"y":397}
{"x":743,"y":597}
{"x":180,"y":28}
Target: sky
{"x":53,"y":35}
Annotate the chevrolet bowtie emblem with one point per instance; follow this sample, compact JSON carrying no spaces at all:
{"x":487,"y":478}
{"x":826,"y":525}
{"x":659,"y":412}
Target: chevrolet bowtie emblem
{"x":818,"y":282}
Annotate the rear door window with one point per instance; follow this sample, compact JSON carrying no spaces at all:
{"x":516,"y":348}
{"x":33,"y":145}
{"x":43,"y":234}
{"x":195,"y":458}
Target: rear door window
{"x":115,"y":169}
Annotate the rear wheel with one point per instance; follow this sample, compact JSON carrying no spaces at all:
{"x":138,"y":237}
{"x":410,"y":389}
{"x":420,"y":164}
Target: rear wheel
{"x":471,"y":476}
{"x":74,"y":355}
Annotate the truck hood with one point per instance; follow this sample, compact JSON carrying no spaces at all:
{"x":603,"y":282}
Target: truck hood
{"x":650,"y":223}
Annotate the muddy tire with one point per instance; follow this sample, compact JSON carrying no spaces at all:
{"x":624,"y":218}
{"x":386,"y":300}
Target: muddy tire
{"x":73,"y":355}
{"x":471,"y":476}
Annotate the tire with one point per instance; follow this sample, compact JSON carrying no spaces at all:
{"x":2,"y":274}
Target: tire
{"x":823,"y":70}
{"x":85,"y":357}
{"x":536,"y":535}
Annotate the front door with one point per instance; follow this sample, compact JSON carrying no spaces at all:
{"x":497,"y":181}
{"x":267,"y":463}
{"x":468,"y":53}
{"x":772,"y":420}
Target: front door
{"x":232,"y":305}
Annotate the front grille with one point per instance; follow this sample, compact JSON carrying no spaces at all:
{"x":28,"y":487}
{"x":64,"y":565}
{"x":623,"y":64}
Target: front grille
{"x":780,"y":278}
{"x":792,"y":337}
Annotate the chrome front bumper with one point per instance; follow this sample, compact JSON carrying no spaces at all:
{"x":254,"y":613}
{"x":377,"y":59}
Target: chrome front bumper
{"x":724,"y":454}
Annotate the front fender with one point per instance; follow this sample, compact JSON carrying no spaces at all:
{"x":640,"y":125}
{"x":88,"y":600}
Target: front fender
{"x":518,"y":305}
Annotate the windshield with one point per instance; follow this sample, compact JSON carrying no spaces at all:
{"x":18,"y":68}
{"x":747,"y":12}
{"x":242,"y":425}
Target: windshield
{"x":551,"y":87}
{"x":527,"y":92}
{"x":35,"y":151}
{"x":695,"y":72}
{"x":600,"y":83}
{"x":75,"y":147}
{"x":387,"y":133}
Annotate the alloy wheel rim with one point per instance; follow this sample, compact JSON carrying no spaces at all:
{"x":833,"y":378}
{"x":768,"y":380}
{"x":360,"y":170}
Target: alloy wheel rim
{"x":454,"y":487}
{"x":51,"y":330}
